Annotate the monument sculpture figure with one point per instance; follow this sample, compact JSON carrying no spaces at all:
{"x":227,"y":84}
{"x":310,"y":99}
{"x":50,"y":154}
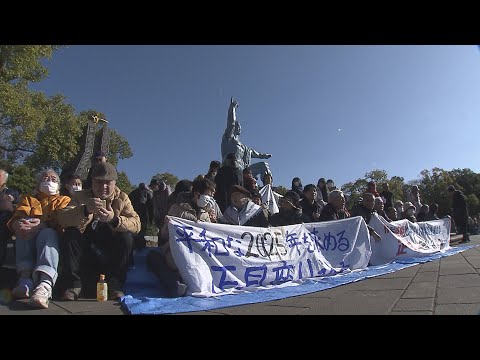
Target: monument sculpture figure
{"x":91,"y":141}
{"x":243,"y":154}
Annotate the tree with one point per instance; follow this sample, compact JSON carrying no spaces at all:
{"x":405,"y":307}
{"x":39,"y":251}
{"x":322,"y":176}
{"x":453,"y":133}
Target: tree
{"x":169,"y":179}
{"x":31,"y":124}
{"x":353,"y":191}
{"x":433,"y":189}
{"x":379,"y":176}
{"x":397,"y":185}
{"x":123,"y":183}
{"x":280,"y":190}
{"x":473,"y":204}
{"x":22,"y":178}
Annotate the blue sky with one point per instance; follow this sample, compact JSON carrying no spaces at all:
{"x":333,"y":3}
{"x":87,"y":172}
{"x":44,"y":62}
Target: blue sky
{"x":399,"y":108}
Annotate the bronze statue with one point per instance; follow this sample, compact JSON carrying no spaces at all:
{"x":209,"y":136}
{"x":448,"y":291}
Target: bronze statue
{"x":243,"y":154}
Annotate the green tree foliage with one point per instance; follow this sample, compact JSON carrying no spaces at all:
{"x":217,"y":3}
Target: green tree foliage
{"x":32,"y":124}
{"x":123,"y":182}
{"x":379,"y":176}
{"x":473,"y":204}
{"x":22,"y":178}
{"x":23,"y":62}
{"x":354,"y":190}
{"x":280,"y":190}
{"x":169,"y":179}
{"x":433,"y":188}
{"x":396,"y":185}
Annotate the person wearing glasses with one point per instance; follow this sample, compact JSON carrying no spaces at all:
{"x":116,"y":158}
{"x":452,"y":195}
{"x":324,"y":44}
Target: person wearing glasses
{"x":37,"y":232}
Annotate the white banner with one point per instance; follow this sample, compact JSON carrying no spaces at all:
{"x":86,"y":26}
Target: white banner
{"x":216,"y":259}
{"x":352,"y":251}
{"x":270,"y":198}
{"x":403,"y":238}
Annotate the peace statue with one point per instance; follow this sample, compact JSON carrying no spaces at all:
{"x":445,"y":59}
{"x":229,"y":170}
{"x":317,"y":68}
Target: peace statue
{"x":243,"y":154}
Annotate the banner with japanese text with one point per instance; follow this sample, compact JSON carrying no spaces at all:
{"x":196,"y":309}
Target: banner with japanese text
{"x":403,"y":238}
{"x":217,"y":259}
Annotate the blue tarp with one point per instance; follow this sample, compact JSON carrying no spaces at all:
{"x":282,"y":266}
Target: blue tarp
{"x":144,"y":290}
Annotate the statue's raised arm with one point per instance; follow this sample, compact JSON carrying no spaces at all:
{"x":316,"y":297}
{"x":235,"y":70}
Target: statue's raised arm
{"x":231,"y":119}
{"x":231,"y":144}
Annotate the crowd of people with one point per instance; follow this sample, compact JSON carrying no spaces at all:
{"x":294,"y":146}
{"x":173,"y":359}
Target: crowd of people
{"x":67,"y":233}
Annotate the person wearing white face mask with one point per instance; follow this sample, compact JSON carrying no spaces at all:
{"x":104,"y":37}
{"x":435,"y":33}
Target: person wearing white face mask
{"x":72,"y":184}
{"x":194,"y":206}
{"x":37,"y":240}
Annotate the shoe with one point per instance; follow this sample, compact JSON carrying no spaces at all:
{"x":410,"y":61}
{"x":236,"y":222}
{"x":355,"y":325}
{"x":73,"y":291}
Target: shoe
{"x":41,"y":296}
{"x":23,"y":288}
{"x":181,"y":289}
{"x":71,"y":294}
{"x":115,"y":290}
{"x":464,"y":241}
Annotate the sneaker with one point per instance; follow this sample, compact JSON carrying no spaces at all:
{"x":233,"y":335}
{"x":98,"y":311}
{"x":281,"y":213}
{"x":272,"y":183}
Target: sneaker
{"x":181,"y":289}
{"x":41,"y":296}
{"x":71,"y":294}
{"x":23,"y":288}
{"x":115,"y":290}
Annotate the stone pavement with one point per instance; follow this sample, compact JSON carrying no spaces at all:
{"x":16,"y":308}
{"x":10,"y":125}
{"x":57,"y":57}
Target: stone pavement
{"x":449,"y":286}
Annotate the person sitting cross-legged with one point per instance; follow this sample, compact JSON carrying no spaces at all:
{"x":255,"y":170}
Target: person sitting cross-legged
{"x":99,"y":225}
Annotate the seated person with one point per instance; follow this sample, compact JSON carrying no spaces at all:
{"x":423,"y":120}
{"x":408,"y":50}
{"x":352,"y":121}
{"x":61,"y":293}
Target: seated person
{"x":410,"y":211}
{"x":432,"y":212}
{"x":249,"y":182}
{"x":72,"y":183}
{"x":365,"y":210}
{"x":309,"y":204}
{"x":290,"y":211}
{"x":398,"y":205}
{"x":37,"y":231}
{"x":257,"y":199}
{"x":380,"y":208}
{"x":422,"y":214}
{"x":334,"y":210}
{"x":6,"y":212}
{"x":190,"y":206}
{"x":99,"y":224}
{"x":242,"y":210}
{"x":391,"y":213}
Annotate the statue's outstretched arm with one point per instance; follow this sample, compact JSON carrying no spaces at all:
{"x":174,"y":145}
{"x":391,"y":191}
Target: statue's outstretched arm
{"x":258,"y":155}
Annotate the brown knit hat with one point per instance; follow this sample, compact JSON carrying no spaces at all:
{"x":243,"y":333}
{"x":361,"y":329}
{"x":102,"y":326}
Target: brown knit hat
{"x":240,"y":189}
{"x":104,"y":171}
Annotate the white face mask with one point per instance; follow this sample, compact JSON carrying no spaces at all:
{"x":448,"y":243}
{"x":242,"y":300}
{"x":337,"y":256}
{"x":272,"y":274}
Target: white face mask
{"x":203,"y":200}
{"x":410,"y":212}
{"x":77,"y":187}
{"x":49,"y":187}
